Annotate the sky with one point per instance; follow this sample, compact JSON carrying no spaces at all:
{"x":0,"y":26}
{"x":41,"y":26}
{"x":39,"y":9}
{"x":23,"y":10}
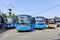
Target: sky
{"x":46,"y":8}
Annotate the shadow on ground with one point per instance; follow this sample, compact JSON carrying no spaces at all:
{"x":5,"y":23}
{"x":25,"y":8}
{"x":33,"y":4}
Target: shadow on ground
{"x":2,"y":31}
{"x":58,"y":38}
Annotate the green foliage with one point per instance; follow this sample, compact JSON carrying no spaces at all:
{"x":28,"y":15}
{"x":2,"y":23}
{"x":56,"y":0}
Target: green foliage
{"x":4,"y":15}
{"x":9,"y":16}
{"x":14,"y":16}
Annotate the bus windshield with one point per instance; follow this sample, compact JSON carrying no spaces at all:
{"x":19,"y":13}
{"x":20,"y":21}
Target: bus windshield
{"x":57,"y":21}
{"x":40,"y":21}
{"x":8,"y":20}
{"x":24,"y":20}
{"x":51,"y":22}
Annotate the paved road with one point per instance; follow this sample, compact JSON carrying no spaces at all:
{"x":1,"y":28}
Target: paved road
{"x":2,"y":31}
{"x":48,"y":34}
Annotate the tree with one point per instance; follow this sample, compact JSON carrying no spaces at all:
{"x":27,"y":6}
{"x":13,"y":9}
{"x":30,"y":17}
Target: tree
{"x":14,"y":18}
{"x":10,"y":11}
{"x":4,"y":15}
{"x":56,"y":17}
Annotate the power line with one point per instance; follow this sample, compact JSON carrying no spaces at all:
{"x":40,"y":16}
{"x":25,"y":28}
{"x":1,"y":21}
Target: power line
{"x":48,"y":9}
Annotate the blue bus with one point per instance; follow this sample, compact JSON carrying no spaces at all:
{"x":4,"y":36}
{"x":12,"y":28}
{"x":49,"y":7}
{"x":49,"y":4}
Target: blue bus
{"x":1,"y":22}
{"x":24,"y":23}
{"x":40,"y":23}
{"x":9,"y":23}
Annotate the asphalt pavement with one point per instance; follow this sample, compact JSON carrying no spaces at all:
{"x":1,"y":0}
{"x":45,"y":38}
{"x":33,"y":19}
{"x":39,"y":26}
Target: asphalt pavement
{"x":46,"y":34}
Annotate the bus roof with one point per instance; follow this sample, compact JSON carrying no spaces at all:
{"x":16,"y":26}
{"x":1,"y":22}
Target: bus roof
{"x":39,"y":17}
{"x":25,"y":15}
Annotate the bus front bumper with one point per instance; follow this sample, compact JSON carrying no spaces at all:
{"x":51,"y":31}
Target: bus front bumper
{"x":40,"y":26}
{"x":25,"y":28}
{"x":9,"y":26}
